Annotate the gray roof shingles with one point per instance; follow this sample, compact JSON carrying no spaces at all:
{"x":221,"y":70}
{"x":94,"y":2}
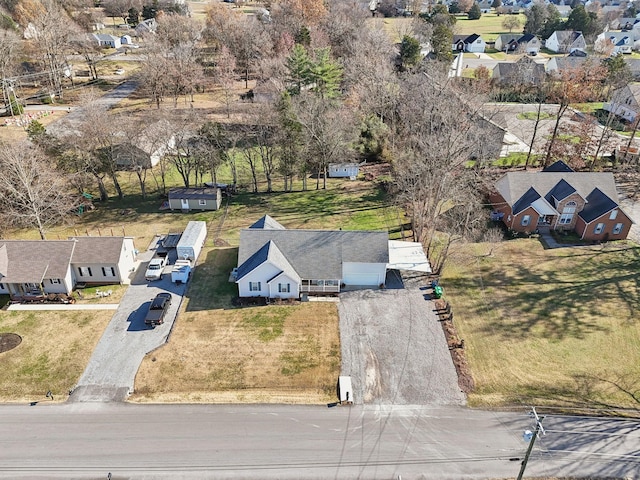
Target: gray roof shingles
{"x":31,"y":261}
{"x":97,"y":249}
{"x":317,"y":254}
{"x":193,"y":193}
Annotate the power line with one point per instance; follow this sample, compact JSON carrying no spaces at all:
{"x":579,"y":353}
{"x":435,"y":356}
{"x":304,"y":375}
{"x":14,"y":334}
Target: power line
{"x":539,"y":429}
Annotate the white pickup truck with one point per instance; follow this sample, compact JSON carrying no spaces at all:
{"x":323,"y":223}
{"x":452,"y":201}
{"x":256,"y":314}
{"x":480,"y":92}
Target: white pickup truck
{"x":181,"y":271}
{"x":156,"y":266}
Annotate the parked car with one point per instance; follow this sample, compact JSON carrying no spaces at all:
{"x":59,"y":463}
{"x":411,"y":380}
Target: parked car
{"x":158,"y":309}
{"x":156,"y":267}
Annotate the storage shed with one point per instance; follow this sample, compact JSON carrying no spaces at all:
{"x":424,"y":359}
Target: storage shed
{"x":186,"y":199}
{"x":343,"y":170}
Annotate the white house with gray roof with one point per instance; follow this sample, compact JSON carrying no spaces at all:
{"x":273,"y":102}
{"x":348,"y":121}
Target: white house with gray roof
{"x":40,"y":267}
{"x":276,"y":262}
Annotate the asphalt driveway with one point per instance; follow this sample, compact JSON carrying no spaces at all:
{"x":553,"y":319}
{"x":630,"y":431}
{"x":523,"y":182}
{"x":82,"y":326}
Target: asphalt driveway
{"x":394,"y":349}
{"x":111,"y":371}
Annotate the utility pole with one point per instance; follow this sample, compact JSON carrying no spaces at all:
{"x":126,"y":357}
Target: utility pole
{"x":535,"y":434}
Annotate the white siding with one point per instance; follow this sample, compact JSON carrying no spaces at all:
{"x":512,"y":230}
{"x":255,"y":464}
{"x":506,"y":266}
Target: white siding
{"x":294,"y":286}
{"x":127,"y":262}
{"x":368,"y":274}
{"x":262,"y":274}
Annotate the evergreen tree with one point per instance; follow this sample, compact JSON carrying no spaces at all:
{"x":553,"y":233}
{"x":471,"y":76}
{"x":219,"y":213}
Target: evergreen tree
{"x":409,"y":51}
{"x":326,"y":73}
{"x":441,"y":41}
{"x":134,"y":16}
{"x":474,"y":12}
{"x":299,"y":66}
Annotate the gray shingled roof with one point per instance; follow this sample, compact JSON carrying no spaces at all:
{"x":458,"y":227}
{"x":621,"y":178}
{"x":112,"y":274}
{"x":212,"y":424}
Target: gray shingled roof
{"x":597,"y":205}
{"x":271,"y":252}
{"x":97,"y":249}
{"x":513,"y":185}
{"x":31,"y":261}
{"x":205,"y":193}
{"x":267,"y":223}
{"x":316,"y":253}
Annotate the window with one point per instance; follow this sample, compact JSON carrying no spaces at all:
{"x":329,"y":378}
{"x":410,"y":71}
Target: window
{"x":108,"y":272}
{"x":254,"y":286}
{"x":613,"y":214}
{"x":567,"y":213}
{"x":599,"y":228}
{"x":54,"y":281}
{"x":284,"y":288}
{"x":85,"y":271}
{"x":526,"y":220}
{"x":617,"y":228}
{"x":202,"y":202}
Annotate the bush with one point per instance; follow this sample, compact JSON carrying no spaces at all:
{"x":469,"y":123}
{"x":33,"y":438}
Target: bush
{"x":474,"y":12}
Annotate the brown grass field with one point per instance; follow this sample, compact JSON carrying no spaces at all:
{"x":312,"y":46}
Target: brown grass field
{"x":549,"y":327}
{"x":54,"y":351}
{"x":220,"y":354}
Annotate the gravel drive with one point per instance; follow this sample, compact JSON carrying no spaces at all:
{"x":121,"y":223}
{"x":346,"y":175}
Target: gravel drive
{"x":395,"y":350}
{"x":111,"y":371}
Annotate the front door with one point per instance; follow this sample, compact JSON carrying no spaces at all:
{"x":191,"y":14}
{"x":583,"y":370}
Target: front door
{"x":184,"y":204}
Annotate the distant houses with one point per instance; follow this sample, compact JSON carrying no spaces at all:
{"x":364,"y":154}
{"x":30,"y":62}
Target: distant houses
{"x":468,"y":43}
{"x":565,"y":41}
{"x":518,"y":42}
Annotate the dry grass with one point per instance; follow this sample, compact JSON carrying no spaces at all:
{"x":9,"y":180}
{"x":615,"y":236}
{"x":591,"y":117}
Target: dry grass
{"x":549,"y":327}
{"x":288,"y":353}
{"x":55,"y":349}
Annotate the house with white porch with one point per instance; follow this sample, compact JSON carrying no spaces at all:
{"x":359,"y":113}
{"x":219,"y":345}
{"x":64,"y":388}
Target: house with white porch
{"x":275,"y":262}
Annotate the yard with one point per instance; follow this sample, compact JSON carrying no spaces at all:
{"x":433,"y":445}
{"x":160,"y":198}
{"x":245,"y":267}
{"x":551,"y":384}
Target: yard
{"x":549,"y":327}
{"x":489,"y":25}
{"x":286,"y":353}
{"x":55,"y":349}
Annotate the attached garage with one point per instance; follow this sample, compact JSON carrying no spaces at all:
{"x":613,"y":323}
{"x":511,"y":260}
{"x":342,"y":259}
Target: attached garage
{"x":367,"y":274}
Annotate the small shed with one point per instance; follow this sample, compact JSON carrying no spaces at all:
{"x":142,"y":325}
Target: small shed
{"x":186,"y":199}
{"x":343,"y":170}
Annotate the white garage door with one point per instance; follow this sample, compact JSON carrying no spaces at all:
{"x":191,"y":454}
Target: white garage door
{"x":361,"y":279}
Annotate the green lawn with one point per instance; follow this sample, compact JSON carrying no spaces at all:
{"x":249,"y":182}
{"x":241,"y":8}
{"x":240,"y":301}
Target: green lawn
{"x":549,"y":327}
{"x":489,"y":26}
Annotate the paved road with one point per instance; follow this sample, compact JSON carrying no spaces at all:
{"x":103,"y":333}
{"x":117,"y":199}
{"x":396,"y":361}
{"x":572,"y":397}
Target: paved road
{"x":87,"y":441}
{"x":111,"y":371}
{"x":110,"y":99}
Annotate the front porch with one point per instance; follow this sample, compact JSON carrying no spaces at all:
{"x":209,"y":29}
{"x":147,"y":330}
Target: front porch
{"x":320,"y":286}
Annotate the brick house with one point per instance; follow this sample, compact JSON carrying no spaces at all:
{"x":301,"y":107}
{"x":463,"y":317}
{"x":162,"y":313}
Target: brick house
{"x":558,"y":198}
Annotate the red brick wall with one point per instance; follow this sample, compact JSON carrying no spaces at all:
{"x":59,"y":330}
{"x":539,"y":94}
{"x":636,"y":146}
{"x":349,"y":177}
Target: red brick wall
{"x":587,"y":231}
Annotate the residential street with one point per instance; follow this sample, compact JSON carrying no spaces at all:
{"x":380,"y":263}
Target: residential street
{"x":88,"y":441}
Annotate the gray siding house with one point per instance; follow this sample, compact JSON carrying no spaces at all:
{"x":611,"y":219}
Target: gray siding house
{"x":202,"y":198}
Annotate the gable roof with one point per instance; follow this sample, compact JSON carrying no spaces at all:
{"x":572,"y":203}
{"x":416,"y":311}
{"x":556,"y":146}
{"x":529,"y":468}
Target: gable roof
{"x":97,"y":249}
{"x":597,"y":205}
{"x":313,"y":254}
{"x":31,"y":261}
{"x":559,"y":192}
{"x":513,"y":185}
{"x":200,"y":193}
{"x":558,"y":166}
{"x":268,"y":252}
{"x":267,"y":223}
{"x":618,"y":38}
{"x":569,"y":62}
{"x":566,"y":37}
{"x":525,"y":200}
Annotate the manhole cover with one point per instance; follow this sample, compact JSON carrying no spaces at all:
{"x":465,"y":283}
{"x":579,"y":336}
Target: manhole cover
{"x":9,"y":341}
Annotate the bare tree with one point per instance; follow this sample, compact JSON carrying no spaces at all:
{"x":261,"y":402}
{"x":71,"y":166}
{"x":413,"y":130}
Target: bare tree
{"x":329,"y":131}
{"x":225,"y":76}
{"x":572,"y":85}
{"x":32,"y":193}
{"x":53,"y":30}
{"x":439,"y":130}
